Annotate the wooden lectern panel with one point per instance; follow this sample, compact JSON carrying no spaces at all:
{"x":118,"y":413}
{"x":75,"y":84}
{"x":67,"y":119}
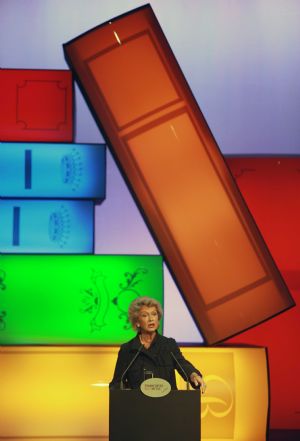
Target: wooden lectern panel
{"x":177,"y":174}
{"x":134,"y":416}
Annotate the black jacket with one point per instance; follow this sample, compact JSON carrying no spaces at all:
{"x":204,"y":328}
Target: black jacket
{"x":157,"y":359}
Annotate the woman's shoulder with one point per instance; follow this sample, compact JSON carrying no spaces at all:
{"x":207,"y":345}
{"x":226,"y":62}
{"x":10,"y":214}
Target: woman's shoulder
{"x":169,"y":341}
{"x":128,"y":345}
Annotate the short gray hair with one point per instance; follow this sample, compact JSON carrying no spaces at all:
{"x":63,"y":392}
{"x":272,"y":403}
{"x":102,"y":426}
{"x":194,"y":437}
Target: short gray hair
{"x":136,"y":305}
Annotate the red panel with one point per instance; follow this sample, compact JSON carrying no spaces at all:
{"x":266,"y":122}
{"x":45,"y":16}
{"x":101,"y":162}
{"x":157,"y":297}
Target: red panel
{"x":271,"y":188}
{"x":36,"y":105}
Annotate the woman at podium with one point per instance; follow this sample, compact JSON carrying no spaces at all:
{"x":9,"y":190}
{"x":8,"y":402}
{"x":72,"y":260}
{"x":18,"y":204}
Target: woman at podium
{"x":150,"y":354}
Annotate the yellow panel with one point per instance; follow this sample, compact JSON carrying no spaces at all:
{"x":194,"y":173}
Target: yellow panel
{"x":235,"y":405}
{"x":49,"y":392}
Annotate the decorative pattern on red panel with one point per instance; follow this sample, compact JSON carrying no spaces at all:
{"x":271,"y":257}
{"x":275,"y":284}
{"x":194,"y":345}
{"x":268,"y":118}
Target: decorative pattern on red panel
{"x":36,"y":105}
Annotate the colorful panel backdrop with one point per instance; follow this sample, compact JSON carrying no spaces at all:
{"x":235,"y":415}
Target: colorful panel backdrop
{"x":249,"y":110}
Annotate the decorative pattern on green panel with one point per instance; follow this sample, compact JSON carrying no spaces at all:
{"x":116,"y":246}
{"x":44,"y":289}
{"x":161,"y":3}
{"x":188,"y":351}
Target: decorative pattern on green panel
{"x":73,"y":299}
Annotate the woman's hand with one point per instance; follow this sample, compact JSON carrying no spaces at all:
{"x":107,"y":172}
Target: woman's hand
{"x":197,"y":380}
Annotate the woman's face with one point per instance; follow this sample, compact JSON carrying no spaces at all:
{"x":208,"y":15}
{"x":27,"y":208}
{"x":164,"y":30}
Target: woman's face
{"x":148,"y":319}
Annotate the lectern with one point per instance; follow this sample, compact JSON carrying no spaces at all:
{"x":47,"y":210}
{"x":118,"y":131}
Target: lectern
{"x":134,"y":416}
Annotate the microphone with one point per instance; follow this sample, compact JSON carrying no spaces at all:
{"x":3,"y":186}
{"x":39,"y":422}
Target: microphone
{"x":182,"y":370}
{"x":129,"y":366}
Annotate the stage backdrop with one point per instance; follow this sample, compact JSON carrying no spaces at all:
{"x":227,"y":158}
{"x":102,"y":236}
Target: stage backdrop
{"x":240,"y":61}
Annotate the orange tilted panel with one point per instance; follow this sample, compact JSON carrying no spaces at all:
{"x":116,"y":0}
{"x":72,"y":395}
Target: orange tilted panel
{"x":177,"y":174}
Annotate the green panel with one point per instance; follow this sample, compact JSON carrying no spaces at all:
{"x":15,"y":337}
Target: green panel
{"x":73,"y":299}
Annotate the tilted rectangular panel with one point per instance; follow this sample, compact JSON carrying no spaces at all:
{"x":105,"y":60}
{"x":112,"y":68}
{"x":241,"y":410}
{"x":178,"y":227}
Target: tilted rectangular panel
{"x":63,"y":392}
{"x":36,"y":105}
{"x":73,"y":299}
{"x":177,"y":174}
{"x":35,"y":170}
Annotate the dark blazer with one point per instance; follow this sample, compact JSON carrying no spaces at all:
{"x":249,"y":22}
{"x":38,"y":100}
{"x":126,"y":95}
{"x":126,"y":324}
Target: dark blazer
{"x":157,"y":359}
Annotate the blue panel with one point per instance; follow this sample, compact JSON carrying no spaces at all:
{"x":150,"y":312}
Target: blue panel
{"x":52,"y":171}
{"x":59,"y":227}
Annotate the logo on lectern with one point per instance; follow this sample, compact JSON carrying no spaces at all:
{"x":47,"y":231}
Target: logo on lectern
{"x":155,"y":387}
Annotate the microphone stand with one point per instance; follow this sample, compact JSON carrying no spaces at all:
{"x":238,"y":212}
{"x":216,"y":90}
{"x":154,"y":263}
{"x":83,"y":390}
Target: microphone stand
{"x":182,"y":370}
{"x":129,"y":366}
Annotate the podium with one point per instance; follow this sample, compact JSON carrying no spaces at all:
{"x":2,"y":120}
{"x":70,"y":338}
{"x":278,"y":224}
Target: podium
{"x":134,"y":416}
